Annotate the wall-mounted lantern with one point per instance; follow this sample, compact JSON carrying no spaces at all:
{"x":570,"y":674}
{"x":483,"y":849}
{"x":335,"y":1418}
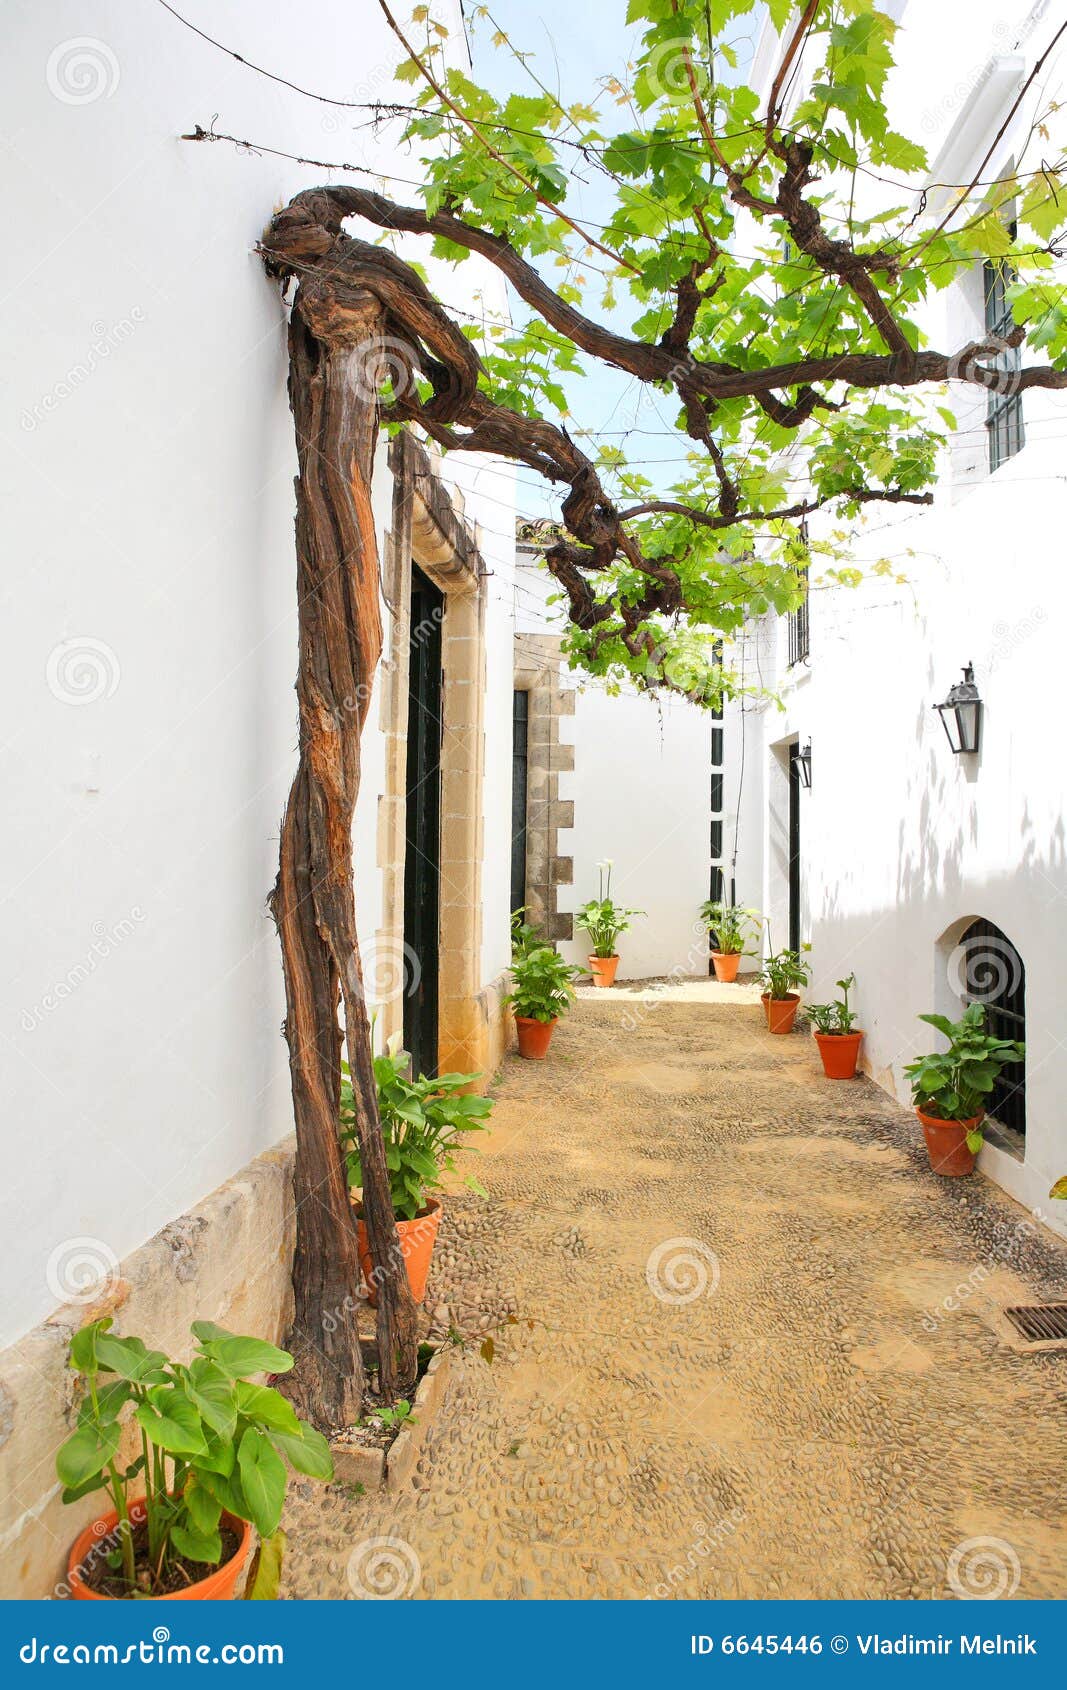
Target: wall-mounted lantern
{"x":961,"y":714}
{"x":802,"y":763}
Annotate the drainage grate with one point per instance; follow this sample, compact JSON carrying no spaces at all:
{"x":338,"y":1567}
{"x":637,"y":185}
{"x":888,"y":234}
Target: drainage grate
{"x":1040,"y":1323}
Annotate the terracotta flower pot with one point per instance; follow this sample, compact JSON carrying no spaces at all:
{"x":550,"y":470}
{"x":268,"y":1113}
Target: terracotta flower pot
{"x":840,"y":1053}
{"x":417,"y":1239}
{"x":781,"y":1012}
{"x":218,"y":1585}
{"x":946,"y":1144}
{"x":534,"y":1036}
{"x":602,"y":968}
{"x":726,"y":965}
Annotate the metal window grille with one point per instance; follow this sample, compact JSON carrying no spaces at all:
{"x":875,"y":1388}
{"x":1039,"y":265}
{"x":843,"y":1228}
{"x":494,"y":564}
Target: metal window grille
{"x":1004,"y":408}
{"x":799,"y":630}
{"x":995,"y":977}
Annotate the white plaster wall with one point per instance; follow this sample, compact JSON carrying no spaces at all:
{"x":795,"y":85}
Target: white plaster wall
{"x":147,"y":471}
{"x":901,"y":840}
{"x":641,"y":792}
{"x":641,"y":797}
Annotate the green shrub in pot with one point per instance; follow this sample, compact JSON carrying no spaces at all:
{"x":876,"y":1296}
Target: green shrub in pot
{"x":212,"y":1443}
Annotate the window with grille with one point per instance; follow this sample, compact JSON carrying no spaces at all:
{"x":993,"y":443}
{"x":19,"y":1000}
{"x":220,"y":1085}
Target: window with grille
{"x":993,"y":975}
{"x":1004,"y":406}
{"x":799,"y":633}
{"x":798,"y":621}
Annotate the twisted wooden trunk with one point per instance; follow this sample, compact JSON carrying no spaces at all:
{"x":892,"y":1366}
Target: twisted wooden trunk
{"x":335,"y":356}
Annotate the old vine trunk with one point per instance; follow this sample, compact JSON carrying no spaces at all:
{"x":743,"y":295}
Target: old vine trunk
{"x":334,"y":354}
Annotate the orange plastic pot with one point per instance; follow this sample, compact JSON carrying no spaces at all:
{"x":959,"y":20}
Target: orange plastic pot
{"x":417,"y":1239}
{"x":219,"y":1585}
{"x":534,"y":1036}
{"x":946,"y":1145}
{"x":840,"y":1053}
{"x":602,"y":968}
{"x":726,"y":965}
{"x":781,"y":1012}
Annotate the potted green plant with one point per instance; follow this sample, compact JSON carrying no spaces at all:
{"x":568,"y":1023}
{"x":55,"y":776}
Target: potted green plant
{"x":603,"y":919}
{"x":950,"y":1088}
{"x":423,"y":1124}
{"x":543,"y":991}
{"x":782,"y":972}
{"x":212,"y":1448}
{"x":730,"y":924}
{"x":836,"y":1034}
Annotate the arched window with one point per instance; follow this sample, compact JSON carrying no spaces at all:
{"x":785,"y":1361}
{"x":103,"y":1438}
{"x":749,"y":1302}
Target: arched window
{"x":991,"y":972}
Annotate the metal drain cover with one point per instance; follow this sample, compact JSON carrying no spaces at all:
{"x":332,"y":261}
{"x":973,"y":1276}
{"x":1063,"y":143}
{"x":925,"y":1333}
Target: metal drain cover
{"x":1040,"y":1323}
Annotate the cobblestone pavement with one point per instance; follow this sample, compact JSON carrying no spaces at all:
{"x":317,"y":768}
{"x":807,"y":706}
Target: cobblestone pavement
{"x":733,"y":1371}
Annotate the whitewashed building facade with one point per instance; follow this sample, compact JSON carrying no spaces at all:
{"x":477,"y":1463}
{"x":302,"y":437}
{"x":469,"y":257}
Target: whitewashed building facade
{"x":936,"y":878}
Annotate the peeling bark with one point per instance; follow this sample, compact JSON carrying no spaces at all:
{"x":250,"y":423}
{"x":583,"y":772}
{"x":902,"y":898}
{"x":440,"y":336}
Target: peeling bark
{"x":334,"y":355}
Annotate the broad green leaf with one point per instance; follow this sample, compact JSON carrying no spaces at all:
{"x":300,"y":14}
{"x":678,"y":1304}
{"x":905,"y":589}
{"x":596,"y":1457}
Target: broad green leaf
{"x":242,"y":1356}
{"x":85,"y":1454}
{"x":130,"y":1359}
{"x":110,"y":1400}
{"x":263,"y":1479}
{"x":227,"y":1487}
{"x":213,"y":1393}
{"x":203,"y":1506}
{"x":259,"y":1402}
{"x":196,"y":1545}
{"x":308,"y":1452}
{"x":83,"y":1345}
{"x":170,"y":1420}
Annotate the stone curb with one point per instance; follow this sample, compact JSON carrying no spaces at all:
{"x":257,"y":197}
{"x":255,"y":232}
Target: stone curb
{"x":392,"y":1468}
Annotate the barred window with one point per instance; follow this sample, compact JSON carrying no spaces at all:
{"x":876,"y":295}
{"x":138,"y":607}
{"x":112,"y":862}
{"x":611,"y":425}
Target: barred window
{"x":1004,"y":406}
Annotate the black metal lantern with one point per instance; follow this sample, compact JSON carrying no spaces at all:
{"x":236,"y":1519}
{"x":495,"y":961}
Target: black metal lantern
{"x":961,"y":714}
{"x":802,"y":763}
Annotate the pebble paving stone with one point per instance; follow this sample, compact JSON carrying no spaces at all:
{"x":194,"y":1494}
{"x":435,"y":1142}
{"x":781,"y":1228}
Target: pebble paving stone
{"x":778,"y":1404}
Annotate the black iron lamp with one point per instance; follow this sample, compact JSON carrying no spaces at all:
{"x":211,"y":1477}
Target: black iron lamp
{"x":961,"y":714}
{"x":802,"y":762}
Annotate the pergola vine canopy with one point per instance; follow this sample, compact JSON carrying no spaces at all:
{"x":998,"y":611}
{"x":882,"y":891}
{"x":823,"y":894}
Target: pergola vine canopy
{"x":758,"y":301}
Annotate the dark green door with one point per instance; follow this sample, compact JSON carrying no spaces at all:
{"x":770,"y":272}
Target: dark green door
{"x":520,"y":736}
{"x":422,"y":863}
{"x":794,"y":852}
